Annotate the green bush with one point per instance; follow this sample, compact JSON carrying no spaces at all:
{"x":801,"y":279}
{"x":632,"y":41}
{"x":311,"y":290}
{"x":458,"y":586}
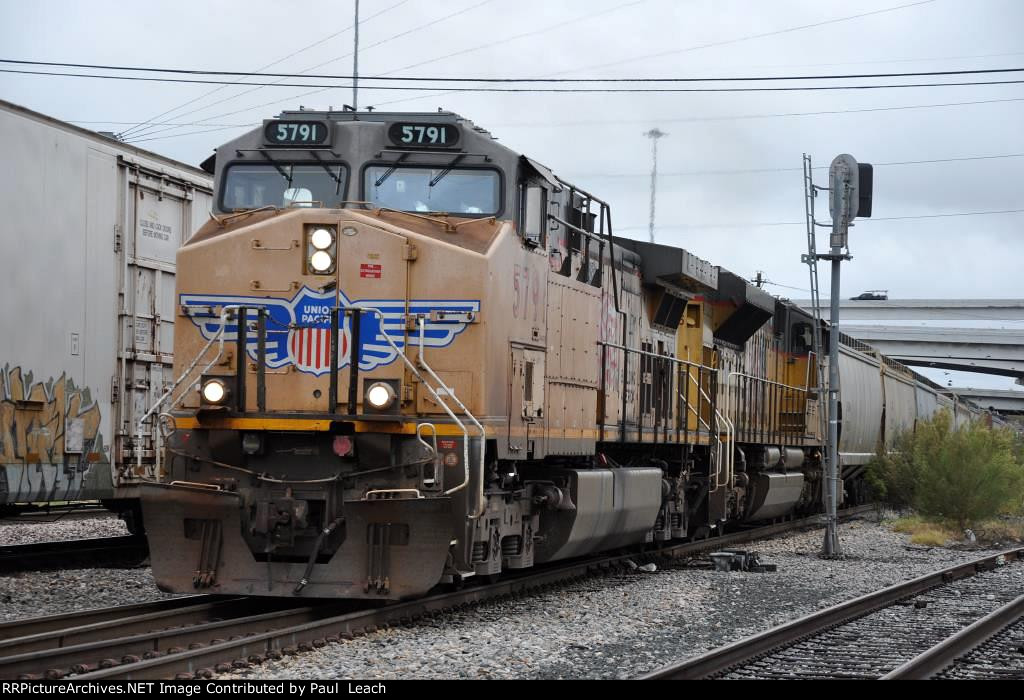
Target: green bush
{"x":963,"y":476}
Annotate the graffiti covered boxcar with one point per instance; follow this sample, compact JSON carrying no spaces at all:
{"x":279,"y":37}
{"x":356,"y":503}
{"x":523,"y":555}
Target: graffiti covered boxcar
{"x":90,"y":231}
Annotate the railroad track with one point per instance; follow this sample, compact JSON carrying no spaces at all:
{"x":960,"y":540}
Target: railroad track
{"x":72,"y":511}
{"x":916,"y":629}
{"x":1001,"y":656}
{"x":211,"y":634}
{"x":68,"y":554}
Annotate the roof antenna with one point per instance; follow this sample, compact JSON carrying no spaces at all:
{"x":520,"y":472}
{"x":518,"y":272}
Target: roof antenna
{"x":347,"y":108}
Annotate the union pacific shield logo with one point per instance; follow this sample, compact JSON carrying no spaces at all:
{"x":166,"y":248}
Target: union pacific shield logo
{"x":298,"y":330}
{"x":310,"y":349}
{"x":309,"y":338}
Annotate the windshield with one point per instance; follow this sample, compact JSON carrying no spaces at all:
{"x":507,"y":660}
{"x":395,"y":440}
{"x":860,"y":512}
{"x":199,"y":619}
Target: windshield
{"x":283,"y":185}
{"x":454,"y":191}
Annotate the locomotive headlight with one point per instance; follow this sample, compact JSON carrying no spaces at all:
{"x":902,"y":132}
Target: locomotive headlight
{"x":321,"y":261}
{"x":380,"y":395}
{"x":321,"y":238}
{"x":321,"y":249}
{"x":214,"y":391}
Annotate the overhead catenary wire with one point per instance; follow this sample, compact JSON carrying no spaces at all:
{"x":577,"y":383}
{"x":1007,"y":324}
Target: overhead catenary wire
{"x":534,"y":32}
{"x":755,"y":171}
{"x":320,"y":89}
{"x":587,"y":16}
{"x":305,"y":48}
{"x":758,"y":224}
{"x":723,"y":42}
{"x":465,"y":79}
{"x":718,"y":118}
{"x":596,"y":90}
{"x":760,"y":35}
{"x":736,"y":117}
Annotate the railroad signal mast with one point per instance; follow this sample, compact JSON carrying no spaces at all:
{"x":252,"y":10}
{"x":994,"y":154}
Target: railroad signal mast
{"x":850,"y":190}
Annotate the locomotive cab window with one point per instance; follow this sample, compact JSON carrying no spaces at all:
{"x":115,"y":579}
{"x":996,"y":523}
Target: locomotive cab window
{"x":533,"y":213}
{"x":251,"y":186}
{"x":469,"y":191}
{"x":802,"y":338}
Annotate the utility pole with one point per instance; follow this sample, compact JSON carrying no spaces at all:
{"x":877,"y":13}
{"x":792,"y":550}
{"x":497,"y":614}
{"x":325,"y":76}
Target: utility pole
{"x":654,"y":134}
{"x":355,"y":64}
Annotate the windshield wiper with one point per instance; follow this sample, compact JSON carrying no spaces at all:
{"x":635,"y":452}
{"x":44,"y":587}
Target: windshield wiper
{"x":391,"y":169}
{"x":447,"y":169}
{"x":277,"y":165}
{"x":326,"y":167}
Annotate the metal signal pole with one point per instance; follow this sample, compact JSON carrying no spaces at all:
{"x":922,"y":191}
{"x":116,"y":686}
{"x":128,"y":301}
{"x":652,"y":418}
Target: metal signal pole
{"x":850,"y":190}
{"x":851,"y":186}
{"x":831,"y":545}
{"x":654,"y":134}
{"x":355,"y":64}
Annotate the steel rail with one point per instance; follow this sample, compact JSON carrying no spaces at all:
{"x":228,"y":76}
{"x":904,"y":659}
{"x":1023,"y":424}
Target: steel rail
{"x":933,"y":661}
{"x":744,"y":650}
{"x":91,"y":552}
{"x":260,"y":643}
{"x":175,"y":636}
{"x":21,"y":636}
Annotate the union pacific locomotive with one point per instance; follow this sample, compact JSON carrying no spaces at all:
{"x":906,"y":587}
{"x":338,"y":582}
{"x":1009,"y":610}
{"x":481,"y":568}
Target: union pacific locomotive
{"x":409,"y":355}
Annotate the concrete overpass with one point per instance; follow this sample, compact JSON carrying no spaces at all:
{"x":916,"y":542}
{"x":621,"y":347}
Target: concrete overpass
{"x":924,"y":310}
{"x":1006,"y":401}
{"x":983,"y":350}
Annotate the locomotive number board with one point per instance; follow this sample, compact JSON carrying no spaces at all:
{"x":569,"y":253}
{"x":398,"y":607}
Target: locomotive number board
{"x":295,"y":133}
{"x":423,"y":135}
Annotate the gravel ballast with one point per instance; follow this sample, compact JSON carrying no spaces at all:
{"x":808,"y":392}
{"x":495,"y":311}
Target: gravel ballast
{"x":36,"y":593}
{"x":44,"y":528}
{"x":39,"y":593}
{"x":616,"y":626}
{"x":620,"y":626}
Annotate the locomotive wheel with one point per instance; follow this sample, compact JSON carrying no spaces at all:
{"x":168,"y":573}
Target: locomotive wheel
{"x":128,"y":511}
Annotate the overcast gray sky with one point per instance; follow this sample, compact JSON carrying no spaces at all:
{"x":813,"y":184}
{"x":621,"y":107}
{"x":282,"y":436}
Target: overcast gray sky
{"x":597,"y":140}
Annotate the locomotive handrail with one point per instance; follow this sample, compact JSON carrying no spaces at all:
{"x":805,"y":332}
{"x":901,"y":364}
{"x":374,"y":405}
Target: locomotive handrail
{"x":765,"y":381}
{"x":778,"y":385}
{"x":730,"y":439}
{"x":728,"y":464}
{"x":669,"y":358}
{"x":718,"y":439}
{"x":218,"y":336}
{"x":432,"y":449}
{"x":577,"y":229}
{"x":481,"y":502}
{"x":436,"y":397}
{"x":376,"y":492}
